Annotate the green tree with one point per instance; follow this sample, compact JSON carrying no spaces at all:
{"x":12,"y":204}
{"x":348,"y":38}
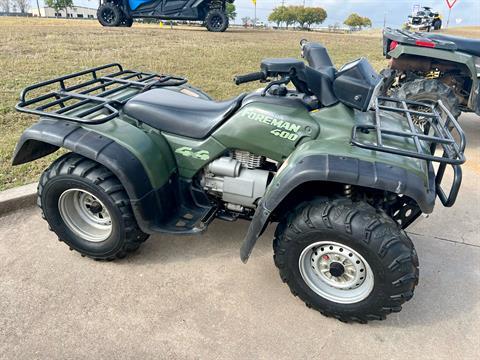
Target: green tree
{"x":356,"y":21}
{"x":300,"y":15}
{"x":277,"y":16}
{"x":315,"y":15}
{"x":367,"y":22}
{"x":57,"y":5}
{"x":231,"y":11}
{"x":290,"y":16}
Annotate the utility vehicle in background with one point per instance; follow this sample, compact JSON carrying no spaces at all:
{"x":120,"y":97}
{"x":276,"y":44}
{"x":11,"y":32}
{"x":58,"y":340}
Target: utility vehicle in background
{"x":341,"y":170}
{"x":122,"y":12}
{"x":428,"y":67}
{"x":424,"y":19}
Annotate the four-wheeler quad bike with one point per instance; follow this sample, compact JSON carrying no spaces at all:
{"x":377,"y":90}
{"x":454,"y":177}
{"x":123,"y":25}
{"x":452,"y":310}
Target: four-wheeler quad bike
{"x":122,"y":12}
{"x":342,"y":171}
{"x":431,"y":67}
{"x":424,"y":19}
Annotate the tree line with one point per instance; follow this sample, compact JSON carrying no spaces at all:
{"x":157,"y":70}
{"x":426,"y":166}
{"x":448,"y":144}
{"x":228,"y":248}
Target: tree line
{"x":303,"y":16}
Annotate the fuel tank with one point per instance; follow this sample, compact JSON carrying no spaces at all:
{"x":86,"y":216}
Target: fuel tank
{"x":268,"y":126}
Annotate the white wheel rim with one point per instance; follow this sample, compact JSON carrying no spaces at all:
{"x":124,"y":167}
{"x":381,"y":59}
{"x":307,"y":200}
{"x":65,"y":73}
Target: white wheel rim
{"x":336,"y":272}
{"x":85,"y":215}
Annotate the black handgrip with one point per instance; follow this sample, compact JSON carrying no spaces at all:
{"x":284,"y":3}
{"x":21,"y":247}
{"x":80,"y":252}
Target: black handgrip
{"x":241,"y":79}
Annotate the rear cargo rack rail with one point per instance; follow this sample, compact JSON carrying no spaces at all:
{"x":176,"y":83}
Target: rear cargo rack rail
{"x":411,"y":38}
{"x":92,"y":100}
{"x":440,"y":131}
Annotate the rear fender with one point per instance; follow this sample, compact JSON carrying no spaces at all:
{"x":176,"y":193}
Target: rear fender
{"x":144,"y":166}
{"x":337,"y":169}
{"x":455,"y":57}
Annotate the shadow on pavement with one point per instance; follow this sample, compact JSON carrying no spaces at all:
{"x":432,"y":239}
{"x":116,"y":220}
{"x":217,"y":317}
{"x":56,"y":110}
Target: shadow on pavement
{"x":448,"y":287}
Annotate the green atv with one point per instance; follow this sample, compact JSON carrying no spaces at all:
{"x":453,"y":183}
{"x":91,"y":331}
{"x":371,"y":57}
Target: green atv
{"x":428,"y":67}
{"x":341,"y":170}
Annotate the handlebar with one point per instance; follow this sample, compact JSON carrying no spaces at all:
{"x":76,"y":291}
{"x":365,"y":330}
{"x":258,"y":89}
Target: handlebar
{"x":241,"y":79}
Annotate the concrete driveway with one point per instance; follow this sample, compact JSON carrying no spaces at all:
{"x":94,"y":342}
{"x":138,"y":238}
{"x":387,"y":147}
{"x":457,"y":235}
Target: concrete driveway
{"x":191,"y":297}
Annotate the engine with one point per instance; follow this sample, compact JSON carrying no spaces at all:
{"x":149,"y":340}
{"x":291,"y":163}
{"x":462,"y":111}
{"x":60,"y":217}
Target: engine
{"x":238,"y":180}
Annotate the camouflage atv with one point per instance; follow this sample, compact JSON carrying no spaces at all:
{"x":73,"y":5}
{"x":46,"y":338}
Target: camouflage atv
{"x":424,"y":20}
{"x":429,"y":67}
{"x":341,"y":171}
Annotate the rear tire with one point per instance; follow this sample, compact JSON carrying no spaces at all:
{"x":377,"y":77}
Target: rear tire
{"x":216,"y":20}
{"x":366,"y":266}
{"x":109,"y":14}
{"x":429,"y":91}
{"x":88,"y":208}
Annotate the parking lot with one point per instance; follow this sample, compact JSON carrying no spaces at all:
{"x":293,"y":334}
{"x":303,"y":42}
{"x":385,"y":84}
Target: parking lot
{"x":192,"y":297}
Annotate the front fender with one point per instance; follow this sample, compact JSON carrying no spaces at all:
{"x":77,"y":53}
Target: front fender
{"x":339,"y":169}
{"x":131,"y":156}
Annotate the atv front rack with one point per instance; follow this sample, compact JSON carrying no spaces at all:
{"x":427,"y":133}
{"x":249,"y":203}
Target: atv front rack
{"x":439,"y":130}
{"x":91,"y":96}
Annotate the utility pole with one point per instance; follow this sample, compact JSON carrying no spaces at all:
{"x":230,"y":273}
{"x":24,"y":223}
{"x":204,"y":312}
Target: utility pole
{"x":448,"y":19}
{"x":38,"y":8}
{"x":384,"y":20}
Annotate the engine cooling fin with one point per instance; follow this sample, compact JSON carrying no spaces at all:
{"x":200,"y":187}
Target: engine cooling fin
{"x":249,"y":160}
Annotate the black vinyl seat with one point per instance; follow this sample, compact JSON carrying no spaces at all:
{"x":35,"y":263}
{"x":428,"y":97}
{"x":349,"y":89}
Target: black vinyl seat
{"x":470,"y":46}
{"x":180,"y":114}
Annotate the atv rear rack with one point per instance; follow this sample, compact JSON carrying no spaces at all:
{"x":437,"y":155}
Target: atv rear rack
{"x":440,"y":131}
{"x":415,"y":39}
{"x":92,"y":96}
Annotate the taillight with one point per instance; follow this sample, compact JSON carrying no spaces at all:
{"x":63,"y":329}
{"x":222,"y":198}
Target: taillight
{"x":425,"y":43}
{"x":393,"y":45}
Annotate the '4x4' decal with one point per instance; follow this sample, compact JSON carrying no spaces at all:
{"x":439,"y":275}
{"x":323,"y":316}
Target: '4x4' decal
{"x":189,"y":152}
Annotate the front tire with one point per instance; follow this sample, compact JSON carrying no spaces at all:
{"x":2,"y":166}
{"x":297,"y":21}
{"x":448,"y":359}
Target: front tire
{"x":346,"y":260}
{"x":109,"y":14}
{"x":216,"y":20}
{"x":88,"y":208}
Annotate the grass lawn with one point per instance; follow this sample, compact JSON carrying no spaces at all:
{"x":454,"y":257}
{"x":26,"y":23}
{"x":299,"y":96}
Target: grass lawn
{"x":32,"y":50}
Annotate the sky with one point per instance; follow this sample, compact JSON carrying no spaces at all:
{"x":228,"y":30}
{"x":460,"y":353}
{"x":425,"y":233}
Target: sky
{"x":464,"y":12}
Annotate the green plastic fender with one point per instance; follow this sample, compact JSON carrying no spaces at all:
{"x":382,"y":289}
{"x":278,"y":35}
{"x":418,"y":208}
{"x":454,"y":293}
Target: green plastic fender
{"x":140,"y":159}
{"x":331,"y":158}
{"x":191,"y":154}
{"x":272,"y":129}
{"x":147,"y":144}
{"x":445,"y":55}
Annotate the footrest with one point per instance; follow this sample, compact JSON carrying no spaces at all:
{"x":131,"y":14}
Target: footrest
{"x":189,"y":221}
